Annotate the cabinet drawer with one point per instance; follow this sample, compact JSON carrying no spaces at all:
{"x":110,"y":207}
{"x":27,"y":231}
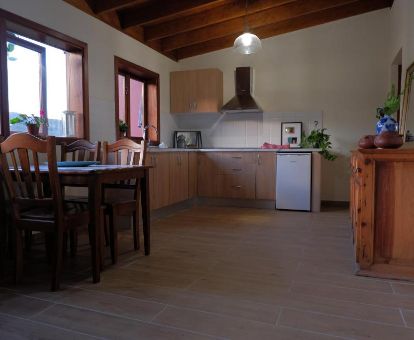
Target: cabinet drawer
{"x":236,"y":186}
{"x":233,"y":163}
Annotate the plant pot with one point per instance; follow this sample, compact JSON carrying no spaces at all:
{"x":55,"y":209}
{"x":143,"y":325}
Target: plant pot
{"x":386,"y":123}
{"x":388,"y":140}
{"x":33,"y":129}
{"x":367,"y":142}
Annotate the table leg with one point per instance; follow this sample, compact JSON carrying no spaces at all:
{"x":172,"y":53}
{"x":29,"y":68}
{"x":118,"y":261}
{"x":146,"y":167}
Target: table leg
{"x":145,"y":207}
{"x":94,"y":199}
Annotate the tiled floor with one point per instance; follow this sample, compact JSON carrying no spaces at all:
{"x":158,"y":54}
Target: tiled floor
{"x":222,"y":273}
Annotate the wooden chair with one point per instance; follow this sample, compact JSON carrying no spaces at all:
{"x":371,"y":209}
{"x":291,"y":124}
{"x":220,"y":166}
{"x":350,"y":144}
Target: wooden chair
{"x":125,"y":152}
{"x":36,"y":197}
{"x":79,"y":150}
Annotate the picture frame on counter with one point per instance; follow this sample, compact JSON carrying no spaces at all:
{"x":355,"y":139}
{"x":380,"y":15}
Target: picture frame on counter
{"x":291,"y":134}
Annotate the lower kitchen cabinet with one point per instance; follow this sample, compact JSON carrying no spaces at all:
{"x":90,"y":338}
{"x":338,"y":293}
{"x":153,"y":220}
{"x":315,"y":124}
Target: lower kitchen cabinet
{"x":192,"y":174}
{"x":206,"y":174}
{"x":179,"y":177}
{"x":159,"y":179}
{"x":266,"y":176}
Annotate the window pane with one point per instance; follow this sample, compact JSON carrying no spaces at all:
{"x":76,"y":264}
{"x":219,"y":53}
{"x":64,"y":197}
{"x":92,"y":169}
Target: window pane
{"x":21,"y":70}
{"x":136,"y":108}
{"x":121,"y":97}
{"x":24,"y":83}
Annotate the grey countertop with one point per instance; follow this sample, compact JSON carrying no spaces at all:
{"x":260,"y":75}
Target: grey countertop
{"x":156,"y":149}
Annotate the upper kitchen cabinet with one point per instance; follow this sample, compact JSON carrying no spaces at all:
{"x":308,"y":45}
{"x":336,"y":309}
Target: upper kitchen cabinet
{"x":196,"y":91}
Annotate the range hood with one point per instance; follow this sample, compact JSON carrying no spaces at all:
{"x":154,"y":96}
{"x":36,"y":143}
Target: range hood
{"x":243,"y":100}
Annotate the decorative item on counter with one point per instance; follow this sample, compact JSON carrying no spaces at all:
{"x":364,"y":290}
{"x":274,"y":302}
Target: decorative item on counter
{"x":32,"y":122}
{"x":367,"y":142}
{"x":274,"y":146}
{"x":123,"y":128}
{"x":388,"y":140}
{"x":291,"y":133}
{"x":162,"y":145}
{"x":181,"y":142}
{"x":318,"y":139}
{"x":392,"y":104}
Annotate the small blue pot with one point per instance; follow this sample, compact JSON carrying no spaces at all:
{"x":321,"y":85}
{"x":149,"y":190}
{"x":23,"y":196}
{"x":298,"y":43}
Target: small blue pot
{"x":386,"y":123}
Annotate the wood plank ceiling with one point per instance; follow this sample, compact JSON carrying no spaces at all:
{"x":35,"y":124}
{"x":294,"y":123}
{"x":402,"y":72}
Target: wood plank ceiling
{"x":185,"y":28}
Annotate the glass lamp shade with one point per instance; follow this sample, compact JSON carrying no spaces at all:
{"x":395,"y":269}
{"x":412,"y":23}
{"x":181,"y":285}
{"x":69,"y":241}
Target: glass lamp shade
{"x":247,"y":43}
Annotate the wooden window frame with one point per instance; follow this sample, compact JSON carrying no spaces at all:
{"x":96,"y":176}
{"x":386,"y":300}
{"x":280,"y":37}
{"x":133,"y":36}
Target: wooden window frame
{"x":126,"y":68}
{"x":32,"y":30}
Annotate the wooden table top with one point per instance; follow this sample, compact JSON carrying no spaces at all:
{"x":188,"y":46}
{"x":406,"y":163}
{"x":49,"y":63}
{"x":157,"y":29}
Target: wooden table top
{"x":93,"y":169}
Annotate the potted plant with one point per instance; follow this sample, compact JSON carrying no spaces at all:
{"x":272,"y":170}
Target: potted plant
{"x":123,"y":128}
{"x":391,"y":105}
{"x":318,"y":139}
{"x":32,"y":122}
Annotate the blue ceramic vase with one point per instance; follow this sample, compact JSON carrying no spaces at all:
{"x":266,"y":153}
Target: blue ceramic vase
{"x":386,"y":124}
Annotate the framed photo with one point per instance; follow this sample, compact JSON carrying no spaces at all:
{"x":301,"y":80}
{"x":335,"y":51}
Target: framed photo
{"x":291,"y":134}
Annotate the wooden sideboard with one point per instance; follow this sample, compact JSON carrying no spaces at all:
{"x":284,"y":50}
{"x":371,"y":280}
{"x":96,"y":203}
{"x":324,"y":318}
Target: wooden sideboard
{"x":382,"y":212}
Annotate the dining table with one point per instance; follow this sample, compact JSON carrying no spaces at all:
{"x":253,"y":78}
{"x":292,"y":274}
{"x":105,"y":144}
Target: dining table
{"x":94,"y":178}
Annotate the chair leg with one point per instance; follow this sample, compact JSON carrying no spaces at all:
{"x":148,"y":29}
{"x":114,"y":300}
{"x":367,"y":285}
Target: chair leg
{"x":106,"y":233}
{"x":73,"y":239}
{"x":135,"y":228}
{"x":57,"y":260}
{"x":113,"y":238}
{"x":18,"y":254}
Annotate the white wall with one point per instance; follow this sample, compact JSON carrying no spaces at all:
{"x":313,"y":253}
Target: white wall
{"x":340,"y":69}
{"x":103,"y":43}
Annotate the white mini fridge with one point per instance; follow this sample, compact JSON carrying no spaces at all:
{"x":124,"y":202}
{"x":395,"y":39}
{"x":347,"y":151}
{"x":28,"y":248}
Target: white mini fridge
{"x":293,"y":181}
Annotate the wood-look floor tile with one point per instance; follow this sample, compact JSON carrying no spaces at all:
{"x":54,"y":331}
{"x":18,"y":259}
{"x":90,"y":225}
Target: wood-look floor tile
{"x":230,"y":328}
{"x":344,"y":327}
{"x":109,"y":326}
{"x":111,"y":303}
{"x":19,"y":305}
{"x":12,"y":328}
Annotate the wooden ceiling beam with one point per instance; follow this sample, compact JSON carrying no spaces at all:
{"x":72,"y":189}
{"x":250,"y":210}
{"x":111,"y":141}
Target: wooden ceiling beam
{"x":102,"y":6}
{"x":159,"y":10}
{"x":216,"y":15}
{"x":301,"y":22}
{"x":236,"y":26}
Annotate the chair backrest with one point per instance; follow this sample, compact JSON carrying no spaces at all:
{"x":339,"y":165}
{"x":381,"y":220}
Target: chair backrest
{"x":126,"y":152}
{"x":29,"y":184}
{"x":81,"y":150}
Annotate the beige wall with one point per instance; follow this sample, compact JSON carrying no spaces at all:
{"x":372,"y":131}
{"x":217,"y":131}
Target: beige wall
{"x":339,"y":69}
{"x":103,"y":43}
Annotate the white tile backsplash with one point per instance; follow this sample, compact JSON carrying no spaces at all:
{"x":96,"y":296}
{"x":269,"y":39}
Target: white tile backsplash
{"x":245,"y":129}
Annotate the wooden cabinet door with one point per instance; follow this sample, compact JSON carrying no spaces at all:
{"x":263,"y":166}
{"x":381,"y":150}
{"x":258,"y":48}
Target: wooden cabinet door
{"x":207,"y":174}
{"x":178,"y":177}
{"x":196,"y":91}
{"x":208,"y":87}
{"x":192,"y":174}
{"x":160,"y":181}
{"x":266,"y":176}
{"x":182,"y":91}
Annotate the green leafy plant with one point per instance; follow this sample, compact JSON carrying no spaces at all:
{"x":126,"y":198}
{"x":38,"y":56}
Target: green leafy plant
{"x":318,"y":139}
{"x":391,"y":104}
{"x":30,"y":119}
{"x":123,"y":126}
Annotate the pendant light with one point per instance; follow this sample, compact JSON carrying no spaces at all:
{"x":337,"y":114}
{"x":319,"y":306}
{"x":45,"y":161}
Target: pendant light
{"x":247,"y":43}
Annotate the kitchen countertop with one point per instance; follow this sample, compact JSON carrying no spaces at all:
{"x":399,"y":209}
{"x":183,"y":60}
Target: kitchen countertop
{"x":156,"y":149}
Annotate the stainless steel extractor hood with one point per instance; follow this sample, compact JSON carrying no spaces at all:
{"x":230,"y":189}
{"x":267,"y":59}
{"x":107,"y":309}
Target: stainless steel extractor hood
{"x":243,"y":100}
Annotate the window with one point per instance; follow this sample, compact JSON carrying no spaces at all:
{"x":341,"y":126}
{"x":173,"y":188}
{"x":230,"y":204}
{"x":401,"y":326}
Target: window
{"x":137,"y":100}
{"x":43,"y":71}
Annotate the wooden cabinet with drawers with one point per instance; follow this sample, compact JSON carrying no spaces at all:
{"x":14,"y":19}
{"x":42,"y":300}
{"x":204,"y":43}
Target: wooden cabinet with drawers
{"x":382,"y":200}
{"x":235,"y":175}
{"x":196,"y":91}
